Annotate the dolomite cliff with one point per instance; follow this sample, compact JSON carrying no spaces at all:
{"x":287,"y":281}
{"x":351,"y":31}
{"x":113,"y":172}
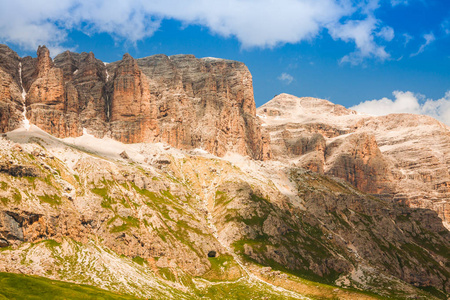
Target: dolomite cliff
{"x":11,"y":100}
{"x":183,"y":101}
{"x":402,"y":157}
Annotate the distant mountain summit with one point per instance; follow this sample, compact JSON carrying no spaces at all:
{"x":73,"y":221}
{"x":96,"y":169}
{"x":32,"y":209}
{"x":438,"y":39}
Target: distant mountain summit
{"x":403,"y":157}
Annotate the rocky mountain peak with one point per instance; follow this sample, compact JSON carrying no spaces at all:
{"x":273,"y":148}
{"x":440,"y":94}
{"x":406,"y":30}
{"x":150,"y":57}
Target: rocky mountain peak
{"x":180,"y":100}
{"x":44,"y":61}
{"x":289,"y":106}
{"x":347,"y":200}
{"x":402,"y":157}
{"x":127,"y":56}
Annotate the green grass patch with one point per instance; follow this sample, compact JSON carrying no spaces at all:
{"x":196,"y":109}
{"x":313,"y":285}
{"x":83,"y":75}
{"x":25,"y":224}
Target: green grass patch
{"x":17,"y":197}
{"x":3,"y":185}
{"x":18,"y":286}
{"x":167,"y":274}
{"x":239,"y":291}
{"x":434,"y":291}
{"x":102,"y":192}
{"x":128,"y":222}
{"x":220,"y":267}
{"x":53,"y":200}
{"x":4,"y":200}
{"x":30,"y":179}
{"x":139,"y":260}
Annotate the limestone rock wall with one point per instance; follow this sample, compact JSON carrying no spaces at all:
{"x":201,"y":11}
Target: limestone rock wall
{"x":204,"y":103}
{"x":179,"y":100}
{"x":10,"y":90}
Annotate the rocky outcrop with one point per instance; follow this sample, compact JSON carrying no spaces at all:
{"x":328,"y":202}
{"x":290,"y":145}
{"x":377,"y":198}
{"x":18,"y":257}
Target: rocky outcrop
{"x":133,"y":108}
{"x":173,"y":217}
{"x":179,"y":100}
{"x":358,"y":160}
{"x":86,"y":99}
{"x":11,"y":100}
{"x":401,"y":157}
{"x":205,"y":103}
{"x":46,"y":107}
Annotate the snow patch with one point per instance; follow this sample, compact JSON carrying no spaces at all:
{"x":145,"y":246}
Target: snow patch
{"x":26,"y":122}
{"x":200,"y":151}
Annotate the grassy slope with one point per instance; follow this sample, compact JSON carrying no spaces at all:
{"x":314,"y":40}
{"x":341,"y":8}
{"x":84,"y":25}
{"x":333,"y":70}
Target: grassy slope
{"x":17,"y":286}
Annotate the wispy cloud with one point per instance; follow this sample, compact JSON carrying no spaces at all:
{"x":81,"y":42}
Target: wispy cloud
{"x":429,"y":38}
{"x":398,"y":2}
{"x":286,"y":78}
{"x":408,"y":102}
{"x":407,"y":38}
{"x":445,"y":25}
{"x":255,"y":23}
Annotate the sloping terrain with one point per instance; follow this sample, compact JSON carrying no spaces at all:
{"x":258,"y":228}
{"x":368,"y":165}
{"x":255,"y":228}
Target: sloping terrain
{"x":143,"y":219}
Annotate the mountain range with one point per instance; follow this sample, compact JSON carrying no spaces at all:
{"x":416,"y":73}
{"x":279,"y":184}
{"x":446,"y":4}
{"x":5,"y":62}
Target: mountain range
{"x":159,"y":178}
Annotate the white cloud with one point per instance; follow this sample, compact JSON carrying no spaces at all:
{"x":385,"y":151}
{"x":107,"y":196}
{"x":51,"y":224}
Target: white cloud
{"x":387,"y":33}
{"x":429,"y":38}
{"x":408,"y":102}
{"x":397,"y":2}
{"x":408,"y":38}
{"x":362,"y":33}
{"x":446,"y":26}
{"x":286,"y":78}
{"x":255,"y":23}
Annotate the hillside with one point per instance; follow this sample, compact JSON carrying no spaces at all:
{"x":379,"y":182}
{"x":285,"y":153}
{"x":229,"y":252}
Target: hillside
{"x":199,"y":200}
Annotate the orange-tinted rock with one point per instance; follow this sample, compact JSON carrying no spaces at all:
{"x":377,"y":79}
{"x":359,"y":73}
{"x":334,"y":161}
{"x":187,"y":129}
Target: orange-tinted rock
{"x":180,"y":100}
{"x":10,"y":90}
{"x":46,"y":105}
{"x":205,"y":103}
{"x":358,"y":160}
{"x":133,"y":108}
{"x":85,"y":78}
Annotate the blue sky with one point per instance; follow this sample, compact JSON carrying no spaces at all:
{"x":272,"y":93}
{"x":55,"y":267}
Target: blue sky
{"x":349,"y":52}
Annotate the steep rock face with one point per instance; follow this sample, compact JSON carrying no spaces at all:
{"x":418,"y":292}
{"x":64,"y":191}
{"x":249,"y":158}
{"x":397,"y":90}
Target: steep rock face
{"x":401,"y":157}
{"x":179,"y":100}
{"x":336,"y":220}
{"x":10,"y":90}
{"x":46,"y":105}
{"x":86,"y":98}
{"x":205,"y":103}
{"x":358,"y":160}
{"x":133,"y":107}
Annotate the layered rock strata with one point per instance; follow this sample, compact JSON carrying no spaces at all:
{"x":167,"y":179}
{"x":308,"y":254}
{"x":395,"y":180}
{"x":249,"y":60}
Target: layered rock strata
{"x":11,"y":100}
{"x":402,"y":157}
{"x":179,"y":100}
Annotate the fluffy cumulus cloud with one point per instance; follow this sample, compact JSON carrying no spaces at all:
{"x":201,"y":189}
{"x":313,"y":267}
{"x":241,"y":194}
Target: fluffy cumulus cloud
{"x":408,"y":102}
{"x":286,"y":78}
{"x":362,"y":33}
{"x":255,"y":23}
